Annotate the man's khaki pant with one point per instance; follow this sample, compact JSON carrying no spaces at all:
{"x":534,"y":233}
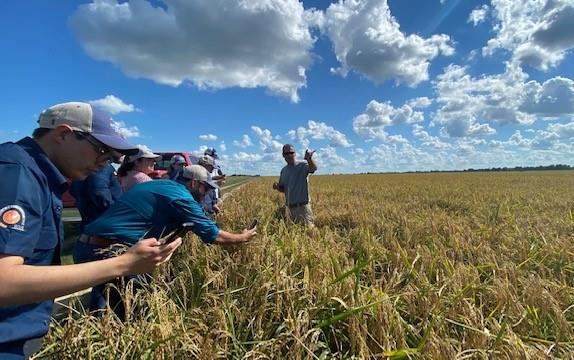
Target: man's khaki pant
{"x":301,"y":214}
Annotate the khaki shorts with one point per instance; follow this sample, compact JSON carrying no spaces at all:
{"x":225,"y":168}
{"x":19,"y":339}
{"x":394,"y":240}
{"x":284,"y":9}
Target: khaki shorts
{"x":301,"y":214}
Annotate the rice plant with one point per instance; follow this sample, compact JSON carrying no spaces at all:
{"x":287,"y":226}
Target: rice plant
{"x":404,"y":266}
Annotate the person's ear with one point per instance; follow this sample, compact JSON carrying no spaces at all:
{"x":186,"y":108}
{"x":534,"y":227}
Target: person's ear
{"x":61,"y":132}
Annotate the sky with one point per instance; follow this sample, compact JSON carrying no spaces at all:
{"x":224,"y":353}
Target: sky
{"x":370,"y":85}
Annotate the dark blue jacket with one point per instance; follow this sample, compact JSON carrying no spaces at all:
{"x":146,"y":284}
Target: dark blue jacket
{"x":30,"y":227}
{"x":96,"y":193}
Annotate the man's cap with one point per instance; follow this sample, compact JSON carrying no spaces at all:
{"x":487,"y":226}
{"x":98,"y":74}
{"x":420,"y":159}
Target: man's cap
{"x":177,"y":159}
{"x":143,"y":152}
{"x":87,"y":119}
{"x":211,"y":152}
{"x":206,"y":160}
{"x":198,"y":173}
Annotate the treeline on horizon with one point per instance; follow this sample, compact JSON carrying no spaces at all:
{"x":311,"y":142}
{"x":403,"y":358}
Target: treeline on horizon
{"x":527,"y":168}
{"x":516,"y":168}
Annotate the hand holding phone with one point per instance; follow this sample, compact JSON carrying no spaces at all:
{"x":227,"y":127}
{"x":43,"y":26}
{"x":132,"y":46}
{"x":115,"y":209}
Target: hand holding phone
{"x":179,"y":232}
{"x":253,"y":224}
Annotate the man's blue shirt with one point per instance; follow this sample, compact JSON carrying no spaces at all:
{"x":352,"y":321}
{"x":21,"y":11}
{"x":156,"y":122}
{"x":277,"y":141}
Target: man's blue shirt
{"x":96,"y":193}
{"x":30,"y":227}
{"x":153,"y":209}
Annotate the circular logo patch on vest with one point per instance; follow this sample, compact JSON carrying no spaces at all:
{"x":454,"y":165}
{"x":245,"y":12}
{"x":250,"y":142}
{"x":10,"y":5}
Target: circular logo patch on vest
{"x":12,"y":217}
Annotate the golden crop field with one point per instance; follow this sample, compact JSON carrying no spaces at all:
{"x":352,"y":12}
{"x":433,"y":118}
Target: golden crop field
{"x":422,"y":266}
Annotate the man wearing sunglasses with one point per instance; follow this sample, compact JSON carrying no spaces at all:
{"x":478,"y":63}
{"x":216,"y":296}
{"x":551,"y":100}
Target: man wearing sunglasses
{"x":72,"y":141}
{"x":293,"y":181}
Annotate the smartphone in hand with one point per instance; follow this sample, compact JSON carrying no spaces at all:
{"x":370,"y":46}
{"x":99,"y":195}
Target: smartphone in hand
{"x":179,"y":232}
{"x":253,"y":224}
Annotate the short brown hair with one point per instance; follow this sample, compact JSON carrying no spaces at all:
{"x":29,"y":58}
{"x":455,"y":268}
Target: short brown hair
{"x":40,"y":133}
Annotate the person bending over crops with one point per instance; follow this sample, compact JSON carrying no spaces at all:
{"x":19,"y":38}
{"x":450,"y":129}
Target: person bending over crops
{"x":293,"y":181}
{"x":157,"y":208}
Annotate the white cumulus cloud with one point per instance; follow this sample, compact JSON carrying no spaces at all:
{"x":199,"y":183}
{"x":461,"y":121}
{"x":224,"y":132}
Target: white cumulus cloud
{"x":267,"y":143}
{"x":212,"y":44}
{"x":367,"y":39}
{"x":329,"y":158}
{"x":552,"y":98}
{"x":564,"y":131}
{"x":124,"y":130}
{"x":377,"y":116}
{"x":319,"y":131}
{"x":113,"y":105}
{"x":428,"y":140}
{"x":478,"y":15}
{"x":469,"y":106}
{"x":244,"y":142}
{"x":538,"y":33}
{"x":208,"y":137}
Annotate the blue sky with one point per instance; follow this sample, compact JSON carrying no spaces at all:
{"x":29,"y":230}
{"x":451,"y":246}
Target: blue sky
{"x":371,"y":85}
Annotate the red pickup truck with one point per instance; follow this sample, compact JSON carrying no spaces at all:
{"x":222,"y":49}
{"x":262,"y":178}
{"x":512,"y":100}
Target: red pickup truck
{"x":160,"y":169}
{"x":161,"y":164}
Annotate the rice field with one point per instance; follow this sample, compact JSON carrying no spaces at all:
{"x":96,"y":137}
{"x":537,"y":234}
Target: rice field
{"x":421,"y":266}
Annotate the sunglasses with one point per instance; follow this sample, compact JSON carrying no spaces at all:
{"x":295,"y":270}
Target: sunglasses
{"x":102,"y":150}
{"x":288,"y":153}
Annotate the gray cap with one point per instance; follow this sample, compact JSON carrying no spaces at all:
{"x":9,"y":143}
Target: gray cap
{"x":198,"y":173}
{"x":85,"y":118}
{"x":143,"y":152}
{"x":206,"y":160}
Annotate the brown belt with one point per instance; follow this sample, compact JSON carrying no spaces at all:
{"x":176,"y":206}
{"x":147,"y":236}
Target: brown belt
{"x":96,"y":240}
{"x":298,"y":204}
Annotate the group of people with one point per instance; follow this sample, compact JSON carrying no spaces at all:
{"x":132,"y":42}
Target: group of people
{"x":73,"y":141}
{"x":79,"y":142}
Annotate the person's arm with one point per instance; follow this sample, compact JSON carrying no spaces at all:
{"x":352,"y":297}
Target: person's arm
{"x":228,"y":238}
{"x":310,"y":161}
{"x":189,"y":210}
{"x":25,"y":284}
{"x":278,"y":187}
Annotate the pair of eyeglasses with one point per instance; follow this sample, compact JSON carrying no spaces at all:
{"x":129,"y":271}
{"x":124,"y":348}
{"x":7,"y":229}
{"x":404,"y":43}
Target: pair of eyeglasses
{"x":102,"y":150}
{"x":288,"y":153}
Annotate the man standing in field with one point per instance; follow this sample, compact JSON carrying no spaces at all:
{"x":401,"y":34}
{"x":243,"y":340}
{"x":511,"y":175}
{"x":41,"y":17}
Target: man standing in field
{"x":293,"y":181}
